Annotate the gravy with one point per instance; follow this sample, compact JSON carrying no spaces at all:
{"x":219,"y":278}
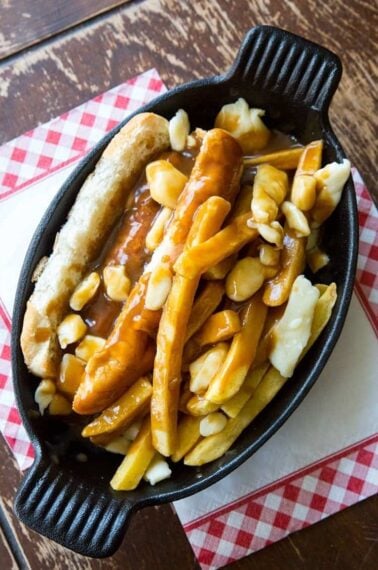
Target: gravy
{"x":125,"y":244}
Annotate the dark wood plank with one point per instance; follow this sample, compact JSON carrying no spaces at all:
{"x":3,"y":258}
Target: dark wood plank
{"x":7,"y":559}
{"x":186,"y":40}
{"x":24,"y":23}
{"x":148,"y":543}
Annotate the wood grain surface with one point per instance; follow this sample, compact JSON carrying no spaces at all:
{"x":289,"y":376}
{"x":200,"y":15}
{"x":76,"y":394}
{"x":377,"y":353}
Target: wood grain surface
{"x":182,"y":40}
{"x":6,"y":556}
{"x":24,"y":23}
{"x":187,"y":40}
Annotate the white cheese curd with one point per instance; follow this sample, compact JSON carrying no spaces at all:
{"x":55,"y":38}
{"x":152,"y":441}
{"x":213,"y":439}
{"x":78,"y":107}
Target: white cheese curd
{"x":157,"y":471}
{"x":292,"y":332}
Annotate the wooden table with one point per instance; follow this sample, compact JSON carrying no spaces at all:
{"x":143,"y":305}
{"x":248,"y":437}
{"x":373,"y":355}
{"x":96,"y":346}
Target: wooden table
{"x":56,"y":55}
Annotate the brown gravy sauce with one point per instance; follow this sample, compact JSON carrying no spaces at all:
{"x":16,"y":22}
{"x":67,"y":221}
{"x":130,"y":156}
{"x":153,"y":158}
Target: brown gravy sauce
{"x":278,"y":141}
{"x":125,"y":244}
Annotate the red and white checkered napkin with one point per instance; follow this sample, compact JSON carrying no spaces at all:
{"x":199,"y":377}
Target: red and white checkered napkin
{"x":322,"y":460}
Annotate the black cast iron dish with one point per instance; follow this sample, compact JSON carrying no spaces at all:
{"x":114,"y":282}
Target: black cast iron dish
{"x":72,"y":502}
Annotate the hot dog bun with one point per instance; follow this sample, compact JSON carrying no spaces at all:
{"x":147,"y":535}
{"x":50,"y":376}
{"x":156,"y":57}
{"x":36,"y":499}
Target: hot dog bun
{"x":99,"y":203}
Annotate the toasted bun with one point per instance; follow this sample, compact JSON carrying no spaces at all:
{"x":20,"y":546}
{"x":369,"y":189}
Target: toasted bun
{"x":99,"y":203}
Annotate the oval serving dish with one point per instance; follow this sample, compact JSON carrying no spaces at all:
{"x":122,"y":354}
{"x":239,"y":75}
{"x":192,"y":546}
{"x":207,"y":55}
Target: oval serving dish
{"x":71,"y":502}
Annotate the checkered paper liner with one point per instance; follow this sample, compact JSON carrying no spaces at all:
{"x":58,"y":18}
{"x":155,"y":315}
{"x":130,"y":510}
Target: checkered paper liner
{"x":300,"y":500}
{"x":66,"y":139}
{"x":271,"y":513}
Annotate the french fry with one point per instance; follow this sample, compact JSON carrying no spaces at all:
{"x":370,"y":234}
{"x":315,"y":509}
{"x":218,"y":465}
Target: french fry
{"x":241,"y":354}
{"x":292,"y":332}
{"x":167,"y":368}
{"x":172,"y":331}
{"x":311,"y":158}
{"x":214,"y":446}
{"x":233,"y":406}
{"x":303,"y":191}
{"x":220,"y":155}
{"x":219,"y":327}
{"x":204,"y":306}
{"x":198,"y":259}
{"x":282,"y":159}
{"x":208,"y":220}
{"x":113,"y":370}
{"x":187,"y":436}
{"x":278,"y":289}
{"x":241,"y":206}
{"x":199,"y":406}
{"x":136,"y":462}
{"x":322,"y":313}
{"x":123,"y":411}
{"x":265,"y":344}
{"x":270,"y":188}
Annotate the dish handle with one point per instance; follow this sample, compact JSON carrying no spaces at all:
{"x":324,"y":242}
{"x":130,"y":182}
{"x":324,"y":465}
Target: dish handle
{"x":278,"y":62}
{"x":70,"y":513}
